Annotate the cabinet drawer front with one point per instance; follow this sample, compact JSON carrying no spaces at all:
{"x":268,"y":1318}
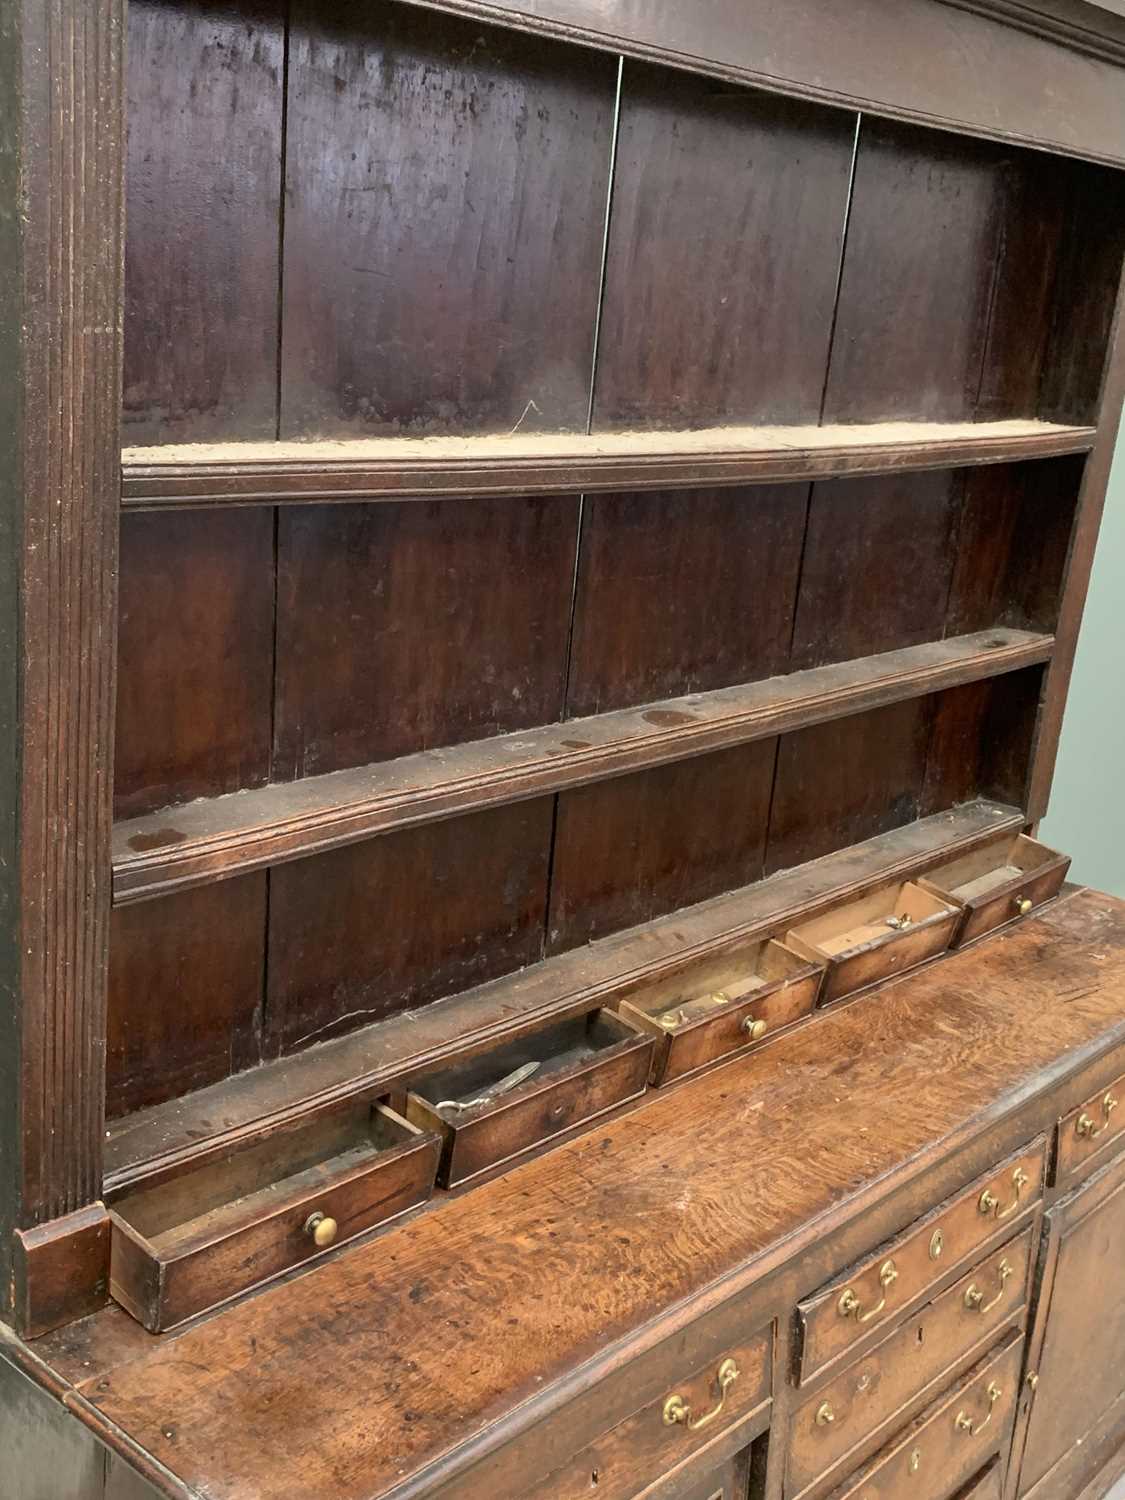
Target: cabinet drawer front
{"x":699,"y":1406}
{"x":1090,"y":1128}
{"x":168,"y":1278}
{"x":1010,"y":902}
{"x":852,"y":1409}
{"x":737,"y":1028}
{"x":833,"y":1322}
{"x":950,"y":1441}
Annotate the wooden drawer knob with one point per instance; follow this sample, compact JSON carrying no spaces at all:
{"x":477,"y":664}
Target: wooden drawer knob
{"x":321,"y":1230}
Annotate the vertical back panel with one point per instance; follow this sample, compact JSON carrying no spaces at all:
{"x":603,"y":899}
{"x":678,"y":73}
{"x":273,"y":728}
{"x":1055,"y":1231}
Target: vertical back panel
{"x":643,"y":845}
{"x":684,"y":592}
{"x":404,"y":627}
{"x":445,"y":212}
{"x":878,"y":562}
{"x":195,"y":656}
{"x":204,"y":198}
{"x":186,"y":980}
{"x":728,"y":214}
{"x":393,"y":923}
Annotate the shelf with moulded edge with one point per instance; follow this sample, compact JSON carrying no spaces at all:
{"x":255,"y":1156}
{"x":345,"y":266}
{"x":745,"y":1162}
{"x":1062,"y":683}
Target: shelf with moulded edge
{"x":406,"y":468}
{"x":212,"y":839}
{"x":166,"y":1140}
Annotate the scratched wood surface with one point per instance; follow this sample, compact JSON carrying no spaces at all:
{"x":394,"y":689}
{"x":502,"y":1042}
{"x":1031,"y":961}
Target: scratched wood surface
{"x":429,"y":1334}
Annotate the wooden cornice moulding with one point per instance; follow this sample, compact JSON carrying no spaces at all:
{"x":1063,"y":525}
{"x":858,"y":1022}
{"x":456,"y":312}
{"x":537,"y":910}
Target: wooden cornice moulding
{"x":1042,"y":74}
{"x":216,"y":838}
{"x":199,"y":475}
{"x":167,"y":1139}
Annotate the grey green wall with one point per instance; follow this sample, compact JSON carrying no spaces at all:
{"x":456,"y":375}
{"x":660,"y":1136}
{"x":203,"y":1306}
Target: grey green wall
{"x":1087,"y":812}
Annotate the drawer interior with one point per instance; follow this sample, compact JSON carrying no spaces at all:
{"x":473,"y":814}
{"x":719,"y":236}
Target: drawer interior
{"x":976,"y":876}
{"x":702,"y":992}
{"x":556,"y":1051}
{"x":884,"y":915}
{"x":238,"y":1192}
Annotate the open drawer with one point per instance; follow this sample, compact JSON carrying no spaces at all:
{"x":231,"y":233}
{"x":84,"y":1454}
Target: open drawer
{"x":193,"y":1242}
{"x":715,"y":1009}
{"x":886,"y":932}
{"x":513,"y":1099}
{"x":998,"y":884}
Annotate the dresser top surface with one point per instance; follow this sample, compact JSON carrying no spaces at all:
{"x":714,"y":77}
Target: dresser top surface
{"x":370,"y":1367}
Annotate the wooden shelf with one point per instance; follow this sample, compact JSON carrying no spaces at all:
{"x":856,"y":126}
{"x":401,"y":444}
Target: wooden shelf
{"x":163,"y":1141}
{"x":545,"y":464}
{"x":211,"y":839}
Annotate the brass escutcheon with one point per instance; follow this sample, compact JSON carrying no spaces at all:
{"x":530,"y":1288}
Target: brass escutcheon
{"x":937,"y":1244}
{"x":915,"y":1462}
{"x":825,"y":1416}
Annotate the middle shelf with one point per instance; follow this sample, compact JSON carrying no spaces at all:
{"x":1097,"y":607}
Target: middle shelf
{"x":214,"y":838}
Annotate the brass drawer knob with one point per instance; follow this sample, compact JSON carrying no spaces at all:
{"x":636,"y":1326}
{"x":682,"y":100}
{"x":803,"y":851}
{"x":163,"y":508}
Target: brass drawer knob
{"x":970,"y":1425}
{"x":755,"y":1030}
{"x":825,"y":1416}
{"x":989,"y":1203}
{"x":1023,"y":905}
{"x":321,"y":1230}
{"x":849,"y":1305}
{"x":1087,"y":1129}
{"x":677,"y":1410}
{"x":974,"y":1297}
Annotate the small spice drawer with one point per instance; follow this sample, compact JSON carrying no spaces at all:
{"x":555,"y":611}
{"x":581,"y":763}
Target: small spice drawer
{"x":1086,"y":1131}
{"x":487,"y":1114}
{"x":887,"y":932}
{"x":843,"y":1315}
{"x":941,"y":1454}
{"x":704,"y":1403}
{"x":852,"y":1410}
{"x":197,"y":1240}
{"x":714,"y":1012}
{"x":998,"y":884}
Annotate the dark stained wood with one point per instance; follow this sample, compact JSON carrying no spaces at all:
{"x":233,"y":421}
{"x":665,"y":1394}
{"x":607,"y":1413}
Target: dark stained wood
{"x":61,"y":1270}
{"x":389,"y":925}
{"x":839,"y":783}
{"x":966,"y":1051}
{"x":877,"y":566}
{"x":61,"y":80}
{"x":1013,"y":541}
{"x":635,"y":848}
{"x":212,"y":839}
{"x":195,"y":652}
{"x":205,"y":113}
{"x":186,"y":978}
{"x":684,"y":592}
{"x":166,"y":1140}
{"x":982,"y":740}
{"x":923,"y":238}
{"x":1010,"y":82}
{"x":44,"y":1453}
{"x":445,"y":207}
{"x":724,"y":248}
{"x":405,"y":627}
{"x":409,"y":468}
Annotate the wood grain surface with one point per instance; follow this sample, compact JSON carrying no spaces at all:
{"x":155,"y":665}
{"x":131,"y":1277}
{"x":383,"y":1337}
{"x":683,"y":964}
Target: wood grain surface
{"x":408,"y":1324}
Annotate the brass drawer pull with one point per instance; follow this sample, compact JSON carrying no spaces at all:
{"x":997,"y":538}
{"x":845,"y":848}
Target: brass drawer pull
{"x":755,"y":1030}
{"x":1023,"y":905}
{"x":321,"y":1230}
{"x":1084,"y":1125}
{"x":990,"y":1204}
{"x":825,"y":1416}
{"x":849,"y":1305}
{"x":974,"y":1297}
{"x":964,"y":1423}
{"x":677,"y":1410}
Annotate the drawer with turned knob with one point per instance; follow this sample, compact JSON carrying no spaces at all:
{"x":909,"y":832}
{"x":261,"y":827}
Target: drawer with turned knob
{"x":998,"y":884}
{"x":194,"y":1241}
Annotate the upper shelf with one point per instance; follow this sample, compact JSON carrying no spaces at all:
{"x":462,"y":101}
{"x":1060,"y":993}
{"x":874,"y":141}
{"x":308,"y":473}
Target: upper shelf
{"x":213,"y":838}
{"x":549,"y":463}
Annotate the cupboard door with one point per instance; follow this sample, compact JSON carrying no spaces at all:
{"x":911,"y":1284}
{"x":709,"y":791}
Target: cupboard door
{"x":730,"y":1481}
{"x":1076,"y":1361}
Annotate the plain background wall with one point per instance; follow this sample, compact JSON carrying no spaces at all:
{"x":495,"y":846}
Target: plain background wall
{"x":1086,"y":817}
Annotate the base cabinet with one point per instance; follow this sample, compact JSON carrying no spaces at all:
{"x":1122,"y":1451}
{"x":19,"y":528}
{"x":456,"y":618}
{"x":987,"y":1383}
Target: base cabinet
{"x":1073,"y":1402}
{"x":731,"y":1481}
